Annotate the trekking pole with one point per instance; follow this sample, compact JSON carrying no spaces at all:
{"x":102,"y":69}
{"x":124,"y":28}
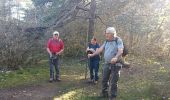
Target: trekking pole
{"x":86,"y":68}
{"x":82,"y":60}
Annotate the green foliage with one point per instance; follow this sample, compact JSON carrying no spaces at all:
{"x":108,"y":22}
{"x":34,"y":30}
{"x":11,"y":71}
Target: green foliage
{"x":29,"y":75}
{"x":12,"y":47}
{"x":75,"y":39}
{"x":18,"y":47}
{"x":136,"y":21}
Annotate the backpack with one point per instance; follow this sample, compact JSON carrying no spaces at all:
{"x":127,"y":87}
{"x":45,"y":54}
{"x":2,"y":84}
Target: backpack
{"x":125,"y":49}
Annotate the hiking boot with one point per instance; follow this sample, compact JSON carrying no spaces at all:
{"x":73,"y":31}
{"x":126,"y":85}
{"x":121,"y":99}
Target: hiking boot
{"x":95,"y":82}
{"x":51,"y":80}
{"x":91,"y":81}
{"x":126,"y":65}
{"x":112,"y":98}
{"x":58,"y":80}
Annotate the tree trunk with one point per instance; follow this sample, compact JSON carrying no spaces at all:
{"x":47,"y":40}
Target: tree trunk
{"x":91,"y":19}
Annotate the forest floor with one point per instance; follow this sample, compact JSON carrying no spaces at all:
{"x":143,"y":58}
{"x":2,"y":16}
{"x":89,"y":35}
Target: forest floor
{"x":145,"y":80}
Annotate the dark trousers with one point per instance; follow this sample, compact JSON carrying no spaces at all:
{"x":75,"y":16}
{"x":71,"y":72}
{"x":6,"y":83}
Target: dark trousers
{"x":110,"y":79}
{"x":54,"y":63}
{"x":94,"y":68}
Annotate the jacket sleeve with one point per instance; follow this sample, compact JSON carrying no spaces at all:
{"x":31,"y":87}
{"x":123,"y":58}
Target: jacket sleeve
{"x":62,"y":44}
{"x":48,"y":43}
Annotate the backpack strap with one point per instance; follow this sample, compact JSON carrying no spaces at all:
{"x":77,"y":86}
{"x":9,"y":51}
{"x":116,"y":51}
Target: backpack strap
{"x":105,"y":43}
{"x":116,"y":39}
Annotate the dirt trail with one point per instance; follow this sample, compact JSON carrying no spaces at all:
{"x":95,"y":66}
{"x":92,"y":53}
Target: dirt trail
{"x":45,"y":91}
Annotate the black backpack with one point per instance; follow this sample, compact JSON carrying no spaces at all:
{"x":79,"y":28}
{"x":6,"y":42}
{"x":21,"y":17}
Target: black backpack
{"x":125,"y":49}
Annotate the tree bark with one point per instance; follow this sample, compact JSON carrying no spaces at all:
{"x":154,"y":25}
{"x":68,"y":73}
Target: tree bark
{"x":91,"y":19}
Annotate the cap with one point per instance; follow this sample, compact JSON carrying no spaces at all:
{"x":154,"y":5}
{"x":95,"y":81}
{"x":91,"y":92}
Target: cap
{"x":111,"y":30}
{"x":56,"y":32}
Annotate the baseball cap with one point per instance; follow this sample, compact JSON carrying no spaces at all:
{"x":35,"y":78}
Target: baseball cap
{"x":111,"y":30}
{"x":56,"y":32}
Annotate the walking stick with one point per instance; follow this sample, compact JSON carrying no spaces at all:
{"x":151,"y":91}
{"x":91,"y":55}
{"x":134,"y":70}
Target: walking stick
{"x":87,"y":66}
{"x":86,"y":69}
{"x":85,"y":59}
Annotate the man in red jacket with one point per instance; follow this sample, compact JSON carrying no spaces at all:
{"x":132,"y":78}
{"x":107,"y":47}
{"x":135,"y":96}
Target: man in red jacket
{"x":55,"y":47}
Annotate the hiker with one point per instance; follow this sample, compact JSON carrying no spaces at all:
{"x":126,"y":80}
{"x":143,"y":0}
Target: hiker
{"x":55,"y":47}
{"x":111,"y":68}
{"x":93,"y":61}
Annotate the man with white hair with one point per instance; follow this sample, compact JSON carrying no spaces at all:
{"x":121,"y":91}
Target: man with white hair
{"x":55,"y":47}
{"x":113,"y":49}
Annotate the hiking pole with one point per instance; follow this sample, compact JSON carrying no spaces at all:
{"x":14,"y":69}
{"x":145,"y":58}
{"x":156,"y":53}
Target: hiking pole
{"x":86,"y":68}
{"x":85,"y":59}
{"x":87,"y":63}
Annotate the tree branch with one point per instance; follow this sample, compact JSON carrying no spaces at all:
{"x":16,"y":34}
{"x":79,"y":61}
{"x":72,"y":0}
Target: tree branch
{"x":66,"y":17}
{"x":100,"y":20}
{"x":82,"y":8}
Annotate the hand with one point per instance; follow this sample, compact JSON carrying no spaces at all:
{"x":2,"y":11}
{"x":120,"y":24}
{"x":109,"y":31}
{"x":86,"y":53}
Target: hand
{"x":89,"y":55}
{"x":93,"y":50}
{"x":57,"y":53}
{"x":113,"y":60}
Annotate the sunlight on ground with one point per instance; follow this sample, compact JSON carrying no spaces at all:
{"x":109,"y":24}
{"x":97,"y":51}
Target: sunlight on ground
{"x":162,"y":69}
{"x":77,"y":77}
{"x":67,"y":96}
{"x":42,"y":61}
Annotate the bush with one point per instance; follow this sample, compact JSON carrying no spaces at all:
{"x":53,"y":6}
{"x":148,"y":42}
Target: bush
{"x":16,"y":46}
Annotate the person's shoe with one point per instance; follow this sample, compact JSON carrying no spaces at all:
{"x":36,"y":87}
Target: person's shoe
{"x":95,"y":82}
{"x":126,"y":65}
{"x":58,"y":80}
{"x":51,"y":80}
{"x":112,"y":98}
{"x":91,"y":81}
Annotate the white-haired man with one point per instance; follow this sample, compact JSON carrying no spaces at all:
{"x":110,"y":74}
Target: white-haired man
{"x":113,"y":49}
{"x":55,"y":47}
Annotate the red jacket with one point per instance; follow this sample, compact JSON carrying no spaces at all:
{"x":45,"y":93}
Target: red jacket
{"x":55,"y":45}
